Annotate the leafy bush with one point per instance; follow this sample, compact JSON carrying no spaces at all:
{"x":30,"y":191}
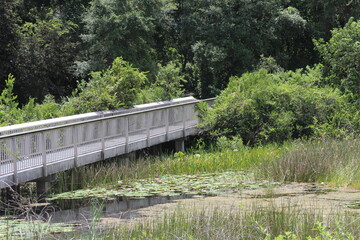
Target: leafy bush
{"x":262,"y":107}
{"x":9,"y":111}
{"x":234,"y":144}
{"x":167,"y":85}
{"x":116,"y":87}
{"x":47,"y":109}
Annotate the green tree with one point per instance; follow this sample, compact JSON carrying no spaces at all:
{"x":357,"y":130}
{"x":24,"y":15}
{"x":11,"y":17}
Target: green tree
{"x":327,"y":14}
{"x":292,"y":46}
{"x":168,"y":85}
{"x":341,"y":57}
{"x":45,"y":58}
{"x":9,"y":111}
{"x":121,"y":28}
{"x":113,"y":88}
{"x":218,"y":39}
{"x":8,"y":28}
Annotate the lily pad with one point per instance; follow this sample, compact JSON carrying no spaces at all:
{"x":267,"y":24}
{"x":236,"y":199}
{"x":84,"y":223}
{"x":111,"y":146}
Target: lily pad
{"x":168,"y":185}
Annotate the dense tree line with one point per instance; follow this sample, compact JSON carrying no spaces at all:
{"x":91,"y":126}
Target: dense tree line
{"x":49,"y":45}
{"x":65,"y":52}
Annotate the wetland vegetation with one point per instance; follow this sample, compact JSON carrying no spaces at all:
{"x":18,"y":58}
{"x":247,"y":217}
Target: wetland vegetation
{"x":286,"y":76}
{"x":228,"y":169}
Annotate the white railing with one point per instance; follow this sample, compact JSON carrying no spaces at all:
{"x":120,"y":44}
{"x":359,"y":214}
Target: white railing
{"x":41,"y":146}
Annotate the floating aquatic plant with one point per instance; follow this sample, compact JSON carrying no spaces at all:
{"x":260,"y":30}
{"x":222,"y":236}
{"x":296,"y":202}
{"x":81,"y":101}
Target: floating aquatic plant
{"x":169,"y":185}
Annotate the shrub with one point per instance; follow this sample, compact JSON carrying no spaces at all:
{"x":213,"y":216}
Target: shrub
{"x":262,"y":107}
{"x":47,"y":109}
{"x":167,"y":85}
{"x":116,"y":87}
{"x":9,"y":111}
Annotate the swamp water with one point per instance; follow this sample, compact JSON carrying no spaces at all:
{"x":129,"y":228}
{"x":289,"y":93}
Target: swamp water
{"x":119,"y":205}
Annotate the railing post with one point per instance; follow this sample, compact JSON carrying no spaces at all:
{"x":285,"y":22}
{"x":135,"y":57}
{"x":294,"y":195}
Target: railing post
{"x":148,"y":125}
{"x":167,"y":124}
{"x":43,"y":152}
{"x":15,"y":160}
{"x":126,"y":134}
{"x":103,"y":135}
{"x":75,"y":137}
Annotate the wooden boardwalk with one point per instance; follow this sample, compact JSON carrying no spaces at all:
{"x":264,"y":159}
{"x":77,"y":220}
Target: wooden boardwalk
{"x":39,"y":149}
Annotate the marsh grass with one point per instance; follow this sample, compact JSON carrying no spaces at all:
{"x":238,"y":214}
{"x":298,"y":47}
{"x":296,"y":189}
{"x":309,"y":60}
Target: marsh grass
{"x":332,"y":161}
{"x":200,"y":161}
{"x":253,"y":223}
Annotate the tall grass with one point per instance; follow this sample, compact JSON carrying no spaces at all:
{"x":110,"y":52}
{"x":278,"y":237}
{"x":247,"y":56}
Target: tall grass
{"x":200,"y":161}
{"x":332,"y":161}
{"x":253,"y":223}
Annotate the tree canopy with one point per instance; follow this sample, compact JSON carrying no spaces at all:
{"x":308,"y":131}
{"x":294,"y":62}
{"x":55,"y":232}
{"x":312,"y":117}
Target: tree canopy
{"x":64,"y":52}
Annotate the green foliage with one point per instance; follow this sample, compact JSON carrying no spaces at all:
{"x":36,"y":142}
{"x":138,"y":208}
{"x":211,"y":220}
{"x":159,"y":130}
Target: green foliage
{"x":8,"y":28}
{"x":268,"y":63}
{"x":121,"y":28}
{"x":170,"y":80}
{"x":327,"y":14}
{"x":292,"y":46}
{"x":341,"y":56}
{"x":168,"y":85}
{"x":325,"y":234}
{"x":9,"y":111}
{"x":262,"y":107}
{"x":234,"y":144}
{"x":44,"y":58}
{"x":111,"y":89}
{"x":38,"y":111}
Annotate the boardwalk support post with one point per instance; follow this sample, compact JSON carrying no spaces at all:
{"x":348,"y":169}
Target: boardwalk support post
{"x":180,"y":145}
{"x":43,"y":185}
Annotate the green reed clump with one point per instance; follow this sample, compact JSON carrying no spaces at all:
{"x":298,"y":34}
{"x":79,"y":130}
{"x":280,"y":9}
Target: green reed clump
{"x":332,"y":161}
{"x":253,"y":223}
{"x":226,"y":159}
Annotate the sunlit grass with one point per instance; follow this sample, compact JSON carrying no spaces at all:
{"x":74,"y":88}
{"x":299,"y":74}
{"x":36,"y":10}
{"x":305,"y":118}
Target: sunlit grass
{"x":242,"y":223}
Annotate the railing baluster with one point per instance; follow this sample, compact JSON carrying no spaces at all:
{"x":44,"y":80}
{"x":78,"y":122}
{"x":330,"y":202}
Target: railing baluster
{"x":13,"y":154}
{"x":103,"y":135}
{"x":75,"y":136}
{"x":167,"y":125}
{"x":184,"y":121}
{"x":126,"y":134}
{"x":148,"y":121}
{"x":43,"y":153}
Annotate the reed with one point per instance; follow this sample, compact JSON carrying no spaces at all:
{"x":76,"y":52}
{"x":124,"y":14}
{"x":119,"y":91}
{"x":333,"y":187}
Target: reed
{"x":336,"y":162}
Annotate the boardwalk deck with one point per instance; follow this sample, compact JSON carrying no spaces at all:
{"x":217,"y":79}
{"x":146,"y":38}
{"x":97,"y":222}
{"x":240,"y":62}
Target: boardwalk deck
{"x":32,"y":154}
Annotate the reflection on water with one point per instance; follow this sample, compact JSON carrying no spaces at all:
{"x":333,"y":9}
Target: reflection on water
{"x":71,"y":211}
